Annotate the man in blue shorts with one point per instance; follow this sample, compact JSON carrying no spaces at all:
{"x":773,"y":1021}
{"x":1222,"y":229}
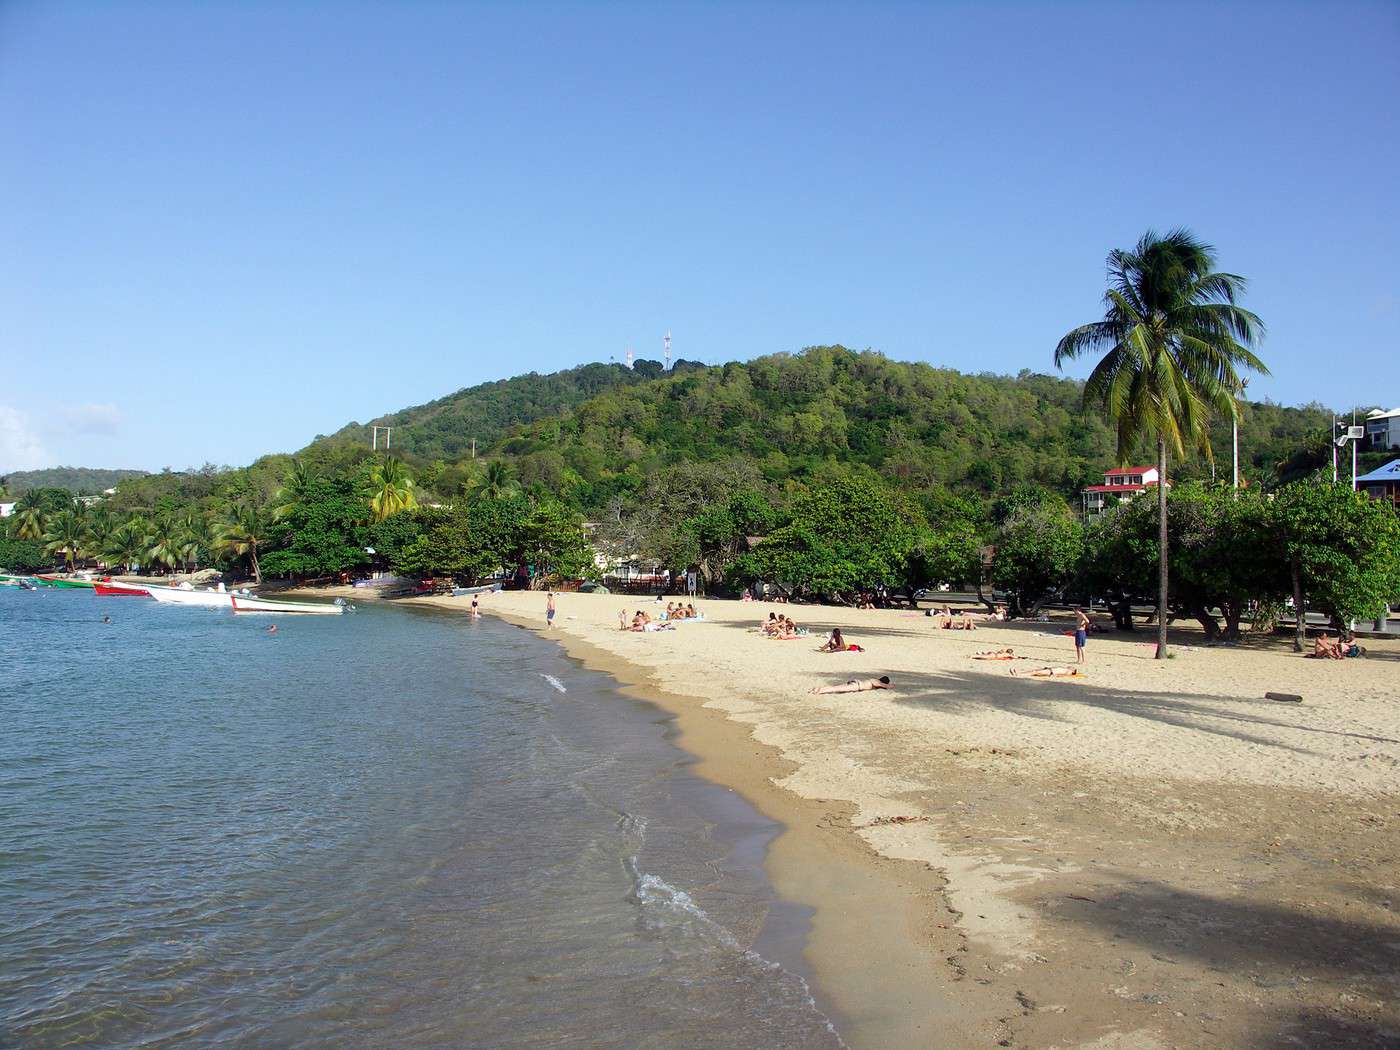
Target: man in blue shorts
{"x":1081,"y":634}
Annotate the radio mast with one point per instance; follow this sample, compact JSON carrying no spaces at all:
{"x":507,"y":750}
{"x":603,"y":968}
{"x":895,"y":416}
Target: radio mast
{"x":629,"y":357}
{"x":667,"y":343}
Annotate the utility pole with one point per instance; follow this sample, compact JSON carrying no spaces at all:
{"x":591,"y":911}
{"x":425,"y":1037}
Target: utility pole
{"x":667,"y":343}
{"x":1334,"y":450}
{"x":388,"y":437}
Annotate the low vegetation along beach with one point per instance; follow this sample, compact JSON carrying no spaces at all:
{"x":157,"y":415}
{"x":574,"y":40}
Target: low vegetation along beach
{"x":1150,"y":855}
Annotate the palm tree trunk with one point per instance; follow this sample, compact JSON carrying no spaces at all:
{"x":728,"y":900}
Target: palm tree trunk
{"x":1161,"y":548}
{"x":257,"y":570}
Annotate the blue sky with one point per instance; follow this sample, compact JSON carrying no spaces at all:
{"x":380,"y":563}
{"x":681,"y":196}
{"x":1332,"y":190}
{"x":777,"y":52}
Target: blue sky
{"x":231,"y":227}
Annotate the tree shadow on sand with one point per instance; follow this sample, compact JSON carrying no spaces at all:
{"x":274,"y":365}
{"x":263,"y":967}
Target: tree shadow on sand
{"x":1272,"y":946}
{"x":968,"y":693}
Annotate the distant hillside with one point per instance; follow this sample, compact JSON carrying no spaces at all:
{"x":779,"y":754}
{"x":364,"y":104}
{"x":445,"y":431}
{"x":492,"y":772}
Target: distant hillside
{"x":597,"y":432}
{"x":81,"y":480}
{"x":444,"y":429}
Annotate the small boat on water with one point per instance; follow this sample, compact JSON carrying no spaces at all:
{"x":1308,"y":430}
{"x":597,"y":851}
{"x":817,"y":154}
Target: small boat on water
{"x":49,"y":579}
{"x":113,"y":589}
{"x":246,"y":604}
{"x":460,"y":592}
{"x":190,"y":596}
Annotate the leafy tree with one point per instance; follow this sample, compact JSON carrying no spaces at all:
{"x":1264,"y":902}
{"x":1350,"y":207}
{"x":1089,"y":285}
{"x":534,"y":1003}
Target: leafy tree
{"x":1342,"y":550}
{"x":844,"y":534}
{"x":551,"y":538}
{"x":1220,"y":544}
{"x":243,"y":530}
{"x":950,"y":550}
{"x":322,"y":532}
{"x":1173,"y":340}
{"x":66,"y":536}
{"x":1038,"y":548}
{"x":101,"y":525}
{"x":392,"y":489}
{"x":22,"y":555}
{"x":294,"y":489}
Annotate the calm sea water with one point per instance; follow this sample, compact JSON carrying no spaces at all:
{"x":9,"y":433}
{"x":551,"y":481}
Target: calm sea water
{"x":391,"y":828}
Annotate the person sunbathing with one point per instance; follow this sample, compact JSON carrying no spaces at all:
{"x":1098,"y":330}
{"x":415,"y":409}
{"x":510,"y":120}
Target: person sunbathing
{"x":772,"y":625}
{"x":862,"y":685}
{"x":834,"y":644}
{"x":995,"y":654}
{"x":690,"y":613}
{"x":1052,"y":672}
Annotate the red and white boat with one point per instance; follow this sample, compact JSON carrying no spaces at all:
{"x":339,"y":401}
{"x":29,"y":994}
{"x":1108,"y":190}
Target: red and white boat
{"x":113,"y":589}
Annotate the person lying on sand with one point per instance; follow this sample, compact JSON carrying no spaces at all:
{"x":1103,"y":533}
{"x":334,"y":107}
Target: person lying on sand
{"x":1052,"y":672}
{"x":863,"y":685}
{"x":995,"y":654}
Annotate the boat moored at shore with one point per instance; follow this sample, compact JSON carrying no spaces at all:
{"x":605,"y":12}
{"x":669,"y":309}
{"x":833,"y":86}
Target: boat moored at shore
{"x":247,"y":604}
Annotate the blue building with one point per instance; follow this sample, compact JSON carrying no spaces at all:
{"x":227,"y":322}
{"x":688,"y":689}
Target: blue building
{"x":1383,"y":483}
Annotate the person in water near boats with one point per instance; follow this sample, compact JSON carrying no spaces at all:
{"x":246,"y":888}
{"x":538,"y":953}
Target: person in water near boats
{"x":476,"y":606}
{"x":857,"y":685}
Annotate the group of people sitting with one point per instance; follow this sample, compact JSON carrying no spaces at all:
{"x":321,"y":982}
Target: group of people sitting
{"x":948,"y":620}
{"x":1325,"y":648}
{"x":642,"y":621}
{"x":680,"y":611}
{"x":782,"y":628}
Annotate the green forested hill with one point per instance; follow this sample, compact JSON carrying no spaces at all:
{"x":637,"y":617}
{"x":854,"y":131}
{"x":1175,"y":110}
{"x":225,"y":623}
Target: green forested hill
{"x":596,"y":432}
{"x":444,"y":429}
{"x":81,"y":480}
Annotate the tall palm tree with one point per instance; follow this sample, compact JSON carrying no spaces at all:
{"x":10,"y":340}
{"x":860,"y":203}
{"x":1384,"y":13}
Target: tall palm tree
{"x":294,"y":488}
{"x":241,"y":533}
{"x":67,"y":535}
{"x":129,"y":543}
{"x":496,"y":481}
{"x":1173,"y":340}
{"x":31,"y":516}
{"x":101,"y":525}
{"x":165,"y":541}
{"x":393,"y":489}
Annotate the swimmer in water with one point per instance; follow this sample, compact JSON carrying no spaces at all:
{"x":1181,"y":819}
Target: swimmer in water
{"x":106,"y":619}
{"x":271,"y":628}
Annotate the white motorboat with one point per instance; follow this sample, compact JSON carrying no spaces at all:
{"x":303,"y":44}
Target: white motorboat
{"x":190,"y":596}
{"x":247,"y":604}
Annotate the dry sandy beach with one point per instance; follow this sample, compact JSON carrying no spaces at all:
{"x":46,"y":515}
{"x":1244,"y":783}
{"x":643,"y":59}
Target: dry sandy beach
{"x":1153,"y":856}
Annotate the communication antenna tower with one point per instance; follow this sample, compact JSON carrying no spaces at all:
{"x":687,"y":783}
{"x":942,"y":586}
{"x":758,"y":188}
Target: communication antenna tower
{"x":374,"y":437}
{"x":629,"y":357}
{"x":667,"y":343}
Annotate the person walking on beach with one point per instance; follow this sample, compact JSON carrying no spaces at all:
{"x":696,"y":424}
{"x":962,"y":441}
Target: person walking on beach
{"x":549,"y":611}
{"x":1081,"y":634}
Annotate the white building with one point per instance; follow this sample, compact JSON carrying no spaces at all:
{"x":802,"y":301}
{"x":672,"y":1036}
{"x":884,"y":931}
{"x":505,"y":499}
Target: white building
{"x":1121,"y":484}
{"x":1383,"y":429}
{"x":6,"y":509}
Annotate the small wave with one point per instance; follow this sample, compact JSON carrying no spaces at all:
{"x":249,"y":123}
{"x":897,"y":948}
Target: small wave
{"x":652,"y":892}
{"x":554,"y":682}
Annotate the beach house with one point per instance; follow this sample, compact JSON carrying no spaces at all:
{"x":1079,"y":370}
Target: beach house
{"x":1120,"y":484}
{"x":1383,"y":483}
{"x":1383,"y":429}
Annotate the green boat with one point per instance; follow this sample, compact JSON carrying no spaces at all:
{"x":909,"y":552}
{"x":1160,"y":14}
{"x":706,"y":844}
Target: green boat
{"x":58,"y":581}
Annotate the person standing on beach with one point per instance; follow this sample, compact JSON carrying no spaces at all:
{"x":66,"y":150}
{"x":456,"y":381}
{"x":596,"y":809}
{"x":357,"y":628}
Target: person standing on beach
{"x":1081,"y":634}
{"x":549,"y":611}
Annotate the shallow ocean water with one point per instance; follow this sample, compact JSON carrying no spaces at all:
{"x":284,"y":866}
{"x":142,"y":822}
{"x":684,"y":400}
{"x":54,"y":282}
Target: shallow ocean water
{"x":392,"y":828}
